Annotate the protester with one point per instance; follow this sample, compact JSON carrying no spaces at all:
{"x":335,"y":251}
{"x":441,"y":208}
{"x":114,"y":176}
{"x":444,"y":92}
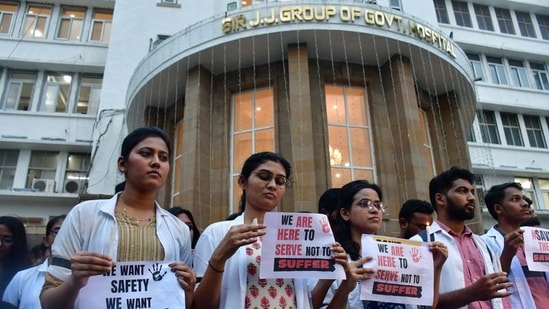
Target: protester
{"x":360,"y":211}
{"x":186,"y":217}
{"x":508,"y":206}
{"x":327,"y":204}
{"x":14,"y":253}
{"x":37,"y":254}
{"x":414,"y":216}
{"x":130,"y":226}
{"x":228,"y":253}
{"x":23,"y":291}
{"x":472,"y":275}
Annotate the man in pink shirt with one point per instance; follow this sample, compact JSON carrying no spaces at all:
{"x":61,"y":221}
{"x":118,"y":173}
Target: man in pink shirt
{"x":471,"y":277}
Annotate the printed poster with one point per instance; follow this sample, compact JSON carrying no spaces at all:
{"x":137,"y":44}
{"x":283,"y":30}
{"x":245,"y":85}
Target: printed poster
{"x":298,"y":245}
{"x":536,"y":248}
{"x":404,"y":271}
{"x":132,"y":285}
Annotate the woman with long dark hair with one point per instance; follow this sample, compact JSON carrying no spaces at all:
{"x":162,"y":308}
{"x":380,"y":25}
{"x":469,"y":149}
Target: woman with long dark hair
{"x":186,"y":216}
{"x":130,"y":226}
{"x":360,"y":211}
{"x":14,"y":251}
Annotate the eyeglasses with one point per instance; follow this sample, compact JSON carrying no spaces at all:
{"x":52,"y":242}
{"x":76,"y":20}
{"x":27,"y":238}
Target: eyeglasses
{"x":366,"y":203}
{"x":268,"y":176}
{"x":190,"y":225}
{"x":7,"y":240}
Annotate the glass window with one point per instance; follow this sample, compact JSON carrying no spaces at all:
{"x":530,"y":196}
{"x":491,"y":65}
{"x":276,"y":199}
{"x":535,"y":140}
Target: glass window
{"x":36,"y":21}
{"x":471,"y":136}
{"x":76,"y":172}
{"x":488,"y":127}
{"x":88,"y":95}
{"x":19,"y":91}
{"x":101,"y":26}
{"x":8,"y":165}
{"x":544,"y":187}
{"x":518,"y":74}
{"x":511,"y":128}
{"x":442,"y":11}
{"x":56,"y":94}
{"x":7,"y":12}
{"x":349,"y":148}
{"x":543,"y":23}
{"x":477,"y":66}
{"x":43,"y":165}
{"x":540,"y":75}
{"x":525,"y":24}
{"x":497,"y":70}
{"x":535,"y":131}
{"x":395,"y":4}
{"x":461,"y":12}
{"x":253,"y":130}
{"x":528,"y":189}
{"x":70,"y":24}
{"x":504,"y":20}
{"x":484,"y":19}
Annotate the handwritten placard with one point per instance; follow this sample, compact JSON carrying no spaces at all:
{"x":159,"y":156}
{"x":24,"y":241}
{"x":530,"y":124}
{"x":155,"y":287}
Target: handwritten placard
{"x":403,"y":271}
{"x":536,"y":248}
{"x":298,"y":245}
{"x":133,"y":285}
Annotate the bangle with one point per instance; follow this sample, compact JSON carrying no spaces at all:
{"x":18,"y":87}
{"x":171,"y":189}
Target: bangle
{"x":215,"y":269}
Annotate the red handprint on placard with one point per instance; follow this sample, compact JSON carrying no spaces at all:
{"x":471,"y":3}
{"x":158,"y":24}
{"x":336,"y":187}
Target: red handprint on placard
{"x":415,"y":255}
{"x":325,"y":225}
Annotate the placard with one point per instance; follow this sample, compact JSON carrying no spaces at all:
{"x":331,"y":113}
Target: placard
{"x":403,"y":271}
{"x":298,"y":245}
{"x":536,"y":248}
{"x":132,"y":285}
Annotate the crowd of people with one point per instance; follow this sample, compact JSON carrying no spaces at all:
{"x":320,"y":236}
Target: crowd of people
{"x":218,"y":268}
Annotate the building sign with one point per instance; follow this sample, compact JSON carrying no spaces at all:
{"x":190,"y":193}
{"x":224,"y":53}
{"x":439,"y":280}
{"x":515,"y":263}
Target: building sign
{"x":343,"y":14}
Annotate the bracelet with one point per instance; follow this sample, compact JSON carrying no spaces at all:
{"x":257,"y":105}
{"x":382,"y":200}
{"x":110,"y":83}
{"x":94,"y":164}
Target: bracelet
{"x":215,"y":269}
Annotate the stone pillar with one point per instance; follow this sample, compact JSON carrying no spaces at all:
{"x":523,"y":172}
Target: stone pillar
{"x":195,"y":173}
{"x":303,"y":194}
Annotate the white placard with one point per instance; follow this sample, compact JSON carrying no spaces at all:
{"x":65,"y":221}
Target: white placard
{"x":403,"y":271}
{"x":536,"y":248}
{"x":133,"y":285}
{"x":298,"y":245}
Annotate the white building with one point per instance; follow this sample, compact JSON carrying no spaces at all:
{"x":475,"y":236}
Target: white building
{"x":75,"y":75}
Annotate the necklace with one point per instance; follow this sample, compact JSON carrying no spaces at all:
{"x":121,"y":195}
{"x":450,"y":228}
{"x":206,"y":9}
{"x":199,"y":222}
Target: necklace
{"x":136,"y":220}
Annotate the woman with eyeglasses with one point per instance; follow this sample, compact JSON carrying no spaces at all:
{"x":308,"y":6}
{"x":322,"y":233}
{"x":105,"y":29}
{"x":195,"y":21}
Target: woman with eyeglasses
{"x":228,"y":253}
{"x":14,"y":252}
{"x":360,"y":211}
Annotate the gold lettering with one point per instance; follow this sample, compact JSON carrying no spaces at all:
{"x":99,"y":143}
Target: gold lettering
{"x":344,"y":13}
{"x":271,"y":20}
{"x":380,"y":18}
{"x":226,"y":25}
{"x":296,"y":13}
{"x":255,"y":23}
{"x":369,"y":17}
{"x":398,"y":20}
{"x":285,"y":14}
{"x":330,"y":11}
{"x":240,"y":22}
{"x":308,"y":13}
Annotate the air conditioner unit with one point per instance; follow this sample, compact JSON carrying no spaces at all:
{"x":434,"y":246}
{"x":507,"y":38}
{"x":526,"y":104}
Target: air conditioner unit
{"x":43,"y":185}
{"x":73,"y":185}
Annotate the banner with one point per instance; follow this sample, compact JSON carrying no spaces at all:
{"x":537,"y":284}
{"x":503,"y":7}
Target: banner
{"x":536,"y":248}
{"x":403,"y":271}
{"x":298,"y":245}
{"x":131,"y":285}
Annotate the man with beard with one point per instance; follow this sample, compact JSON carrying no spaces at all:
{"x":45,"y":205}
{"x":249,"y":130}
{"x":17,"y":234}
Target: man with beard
{"x":471,"y":277}
{"x":510,"y":208}
{"x":414,"y":216}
